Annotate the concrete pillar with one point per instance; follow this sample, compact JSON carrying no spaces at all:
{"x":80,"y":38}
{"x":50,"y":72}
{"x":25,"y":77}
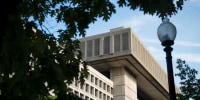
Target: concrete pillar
{"x":125,"y":85}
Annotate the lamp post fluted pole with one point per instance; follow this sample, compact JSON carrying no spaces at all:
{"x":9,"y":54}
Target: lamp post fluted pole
{"x":167,"y":34}
{"x":168,"y":49}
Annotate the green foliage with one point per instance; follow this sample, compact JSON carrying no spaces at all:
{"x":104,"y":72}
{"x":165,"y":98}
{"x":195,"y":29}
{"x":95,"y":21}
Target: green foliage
{"x":33,"y":61}
{"x":190,"y":85}
{"x":161,"y":8}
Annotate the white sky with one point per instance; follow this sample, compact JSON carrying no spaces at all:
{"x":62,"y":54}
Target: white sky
{"x":187,"y":42}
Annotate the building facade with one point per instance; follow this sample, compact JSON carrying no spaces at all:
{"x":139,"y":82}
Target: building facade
{"x":121,"y":68}
{"x":96,"y":87}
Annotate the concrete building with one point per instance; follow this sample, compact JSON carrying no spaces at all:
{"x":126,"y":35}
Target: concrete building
{"x":121,"y":68}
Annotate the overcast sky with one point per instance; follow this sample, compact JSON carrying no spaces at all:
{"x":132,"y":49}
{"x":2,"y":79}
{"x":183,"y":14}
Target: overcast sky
{"x":187,"y":42}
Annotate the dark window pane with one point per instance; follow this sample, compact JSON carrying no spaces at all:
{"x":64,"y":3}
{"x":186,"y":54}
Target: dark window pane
{"x":82,"y":47}
{"x":125,"y":41}
{"x":96,"y":46}
{"x":89,"y":48}
{"x":117,"y":43}
{"x":106,"y":45}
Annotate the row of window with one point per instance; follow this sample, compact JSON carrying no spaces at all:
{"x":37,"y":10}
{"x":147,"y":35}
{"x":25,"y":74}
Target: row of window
{"x":94,"y":92}
{"x":91,"y":48}
{"x":92,"y":89}
{"x":99,"y":83}
{"x":98,"y":94}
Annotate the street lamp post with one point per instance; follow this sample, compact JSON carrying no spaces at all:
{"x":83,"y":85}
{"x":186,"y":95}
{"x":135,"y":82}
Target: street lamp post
{"x":167,"y":33}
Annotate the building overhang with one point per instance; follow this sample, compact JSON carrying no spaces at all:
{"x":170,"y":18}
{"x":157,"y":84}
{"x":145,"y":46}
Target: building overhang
{"x":147,"y":85}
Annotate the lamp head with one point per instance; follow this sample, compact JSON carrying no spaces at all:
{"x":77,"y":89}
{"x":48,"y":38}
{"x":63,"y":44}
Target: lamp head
{"x":166,"y":32}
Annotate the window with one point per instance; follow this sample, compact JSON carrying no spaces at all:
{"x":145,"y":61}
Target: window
{"x":76,"y":83}
{"x":117,"y":43}
{"x":96,"y":46}
{"x":82,"y":47}
{"x":86,"y":98}
{"x":92,"y":78}
{"x":111,"y":90}
{"x":82,"y":87}
{"x":91,"y":90}
{"x":76,"y":93}
{"x":100,"y":94}
{"x":125,"y":41}
{"x":108,"y":88}
{"x":104,"y":96}
{"x":81,"y":96}
{"x":100,"y":83}
{"x":96,"y":81}
{"x":104,"y":86}
{"x":88,"y":76}
{"x":106,"y":45}
{"x":89,"y":48}
{"x":96,"y":92}
{"x":87,"y":88}
{"x":108,"y":98}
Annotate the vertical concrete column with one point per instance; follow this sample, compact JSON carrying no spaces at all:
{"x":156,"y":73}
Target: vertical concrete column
{"x":112,"y":44}
{"x":125,"y":85}
{"x":101,"y":46}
